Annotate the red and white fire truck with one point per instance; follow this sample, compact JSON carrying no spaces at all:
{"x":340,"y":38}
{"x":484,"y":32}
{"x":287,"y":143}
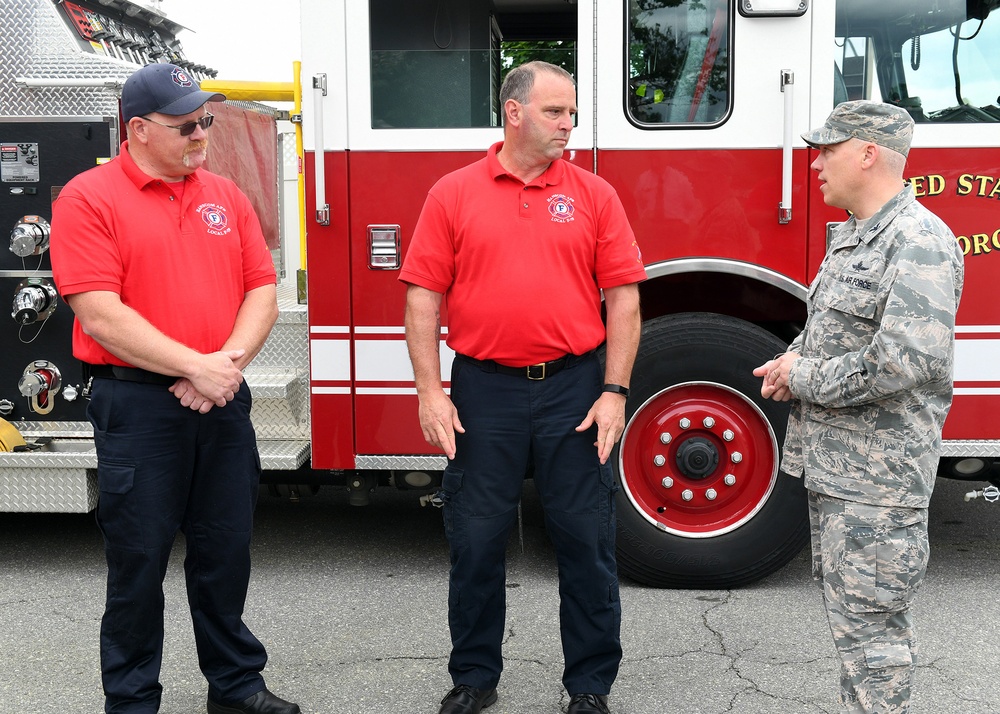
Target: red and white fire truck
{"x":692,"y":109}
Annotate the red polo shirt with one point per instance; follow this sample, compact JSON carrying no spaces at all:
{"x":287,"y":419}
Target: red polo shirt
{"x":521,"y":264}
{"x":183,"y":260}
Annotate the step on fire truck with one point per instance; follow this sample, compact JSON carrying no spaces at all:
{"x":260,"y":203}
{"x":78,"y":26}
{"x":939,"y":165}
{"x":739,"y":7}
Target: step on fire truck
{"x":692,"y":109}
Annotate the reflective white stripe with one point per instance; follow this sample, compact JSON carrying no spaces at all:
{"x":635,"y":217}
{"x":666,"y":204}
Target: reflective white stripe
{"x":388,"y":361}
{"x":331,"y":390}
{"x":394,"y":330}
{"x":382,"y":361}
{"x":330,"y":360}
{"x":330,"y":330}
{"x":391,"y":391}
{"x":973,"y":329}
{"x":387,"y":330}
{"x":977,"y":361}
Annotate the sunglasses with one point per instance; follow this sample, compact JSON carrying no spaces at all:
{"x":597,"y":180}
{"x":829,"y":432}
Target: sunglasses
{"x":187,"y":129}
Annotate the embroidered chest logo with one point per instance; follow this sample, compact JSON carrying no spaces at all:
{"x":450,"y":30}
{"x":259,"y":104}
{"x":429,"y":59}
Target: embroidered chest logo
{"x":561,"y":208}
{"x":215,"y":218}
{"x":181,"y":78}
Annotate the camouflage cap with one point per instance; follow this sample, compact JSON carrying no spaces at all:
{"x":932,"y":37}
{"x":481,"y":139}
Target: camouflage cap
{"x":882,"y":124}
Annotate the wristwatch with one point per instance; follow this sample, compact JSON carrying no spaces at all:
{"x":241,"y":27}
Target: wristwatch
{"x":617,"y":389}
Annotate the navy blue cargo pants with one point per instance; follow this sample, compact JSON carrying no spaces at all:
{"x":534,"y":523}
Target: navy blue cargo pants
{"x":162,"y":468}
{"x":511,"y":422}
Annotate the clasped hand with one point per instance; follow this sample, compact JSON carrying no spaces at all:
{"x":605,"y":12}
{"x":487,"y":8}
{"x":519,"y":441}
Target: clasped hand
{"x":215,"y":383}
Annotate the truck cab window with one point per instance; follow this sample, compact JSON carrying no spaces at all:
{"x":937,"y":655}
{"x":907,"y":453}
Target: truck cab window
{"x":942,"y":65}
{"x":440,"y":64}
{"x":679,"y":61}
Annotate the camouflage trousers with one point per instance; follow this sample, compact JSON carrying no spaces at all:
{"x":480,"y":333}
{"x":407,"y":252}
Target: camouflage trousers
{"x":871,"y":560}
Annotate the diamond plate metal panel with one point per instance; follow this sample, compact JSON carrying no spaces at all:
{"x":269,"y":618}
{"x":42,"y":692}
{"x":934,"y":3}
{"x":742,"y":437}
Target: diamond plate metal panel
{"x":280,"y":404}
{"x":45,"y":460}
{"x":279,"y":375}
{"x":399,"y":463}
{"x":61,"y":429}
{"x":287,"y":346}
{"x":35,"y":43}
{"x":970,"y":448}
{"x":51,"y":490}
{"x":282,"y":455}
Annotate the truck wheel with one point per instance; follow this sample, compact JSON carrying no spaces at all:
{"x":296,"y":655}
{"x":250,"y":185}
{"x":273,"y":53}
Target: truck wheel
{"x":701,"y":503}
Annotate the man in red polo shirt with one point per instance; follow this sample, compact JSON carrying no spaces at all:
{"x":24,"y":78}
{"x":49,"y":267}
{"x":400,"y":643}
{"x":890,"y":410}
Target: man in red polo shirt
{"x":173,"y":288}
{"x":521,"y":244}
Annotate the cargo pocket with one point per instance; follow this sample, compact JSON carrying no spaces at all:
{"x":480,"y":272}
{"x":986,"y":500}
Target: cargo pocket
{"x":115,"y":478}
{"x":882,"y":566}
{"x":890,"y":668}
{"x":857,"y":568}
{"x":116,"y":512}
{"x":901,"y":556}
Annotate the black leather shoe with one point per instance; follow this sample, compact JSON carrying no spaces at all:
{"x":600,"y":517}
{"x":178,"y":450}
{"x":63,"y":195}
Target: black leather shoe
{"x":263,"y":702}
{"x":464,"y":699}
{"x":588,"y":704}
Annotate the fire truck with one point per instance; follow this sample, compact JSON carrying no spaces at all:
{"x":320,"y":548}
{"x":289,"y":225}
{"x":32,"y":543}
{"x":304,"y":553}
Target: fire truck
{"x":692,"y":110}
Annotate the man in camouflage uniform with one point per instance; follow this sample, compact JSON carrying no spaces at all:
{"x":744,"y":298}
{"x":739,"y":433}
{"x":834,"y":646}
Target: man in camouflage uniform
{"x":871,"y":374}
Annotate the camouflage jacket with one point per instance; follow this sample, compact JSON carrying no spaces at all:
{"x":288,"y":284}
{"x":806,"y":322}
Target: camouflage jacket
{"x":874,"y":381}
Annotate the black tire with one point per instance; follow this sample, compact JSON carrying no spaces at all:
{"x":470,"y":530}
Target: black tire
{"x":744,"y":519}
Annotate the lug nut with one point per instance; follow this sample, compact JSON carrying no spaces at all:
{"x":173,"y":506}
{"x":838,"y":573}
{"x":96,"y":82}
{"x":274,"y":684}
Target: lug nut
{"x":665,"y":438}
{"x":729,"y":480}
{"x":687,"y":494}
{"x":659,"y":460}
{"x":728,"y":435}
{"x":708,"y":422}
{"x":736,"y":457}
{"x":685,"y":423}
{"x":710,"y":494}
{"x":667,"y":482}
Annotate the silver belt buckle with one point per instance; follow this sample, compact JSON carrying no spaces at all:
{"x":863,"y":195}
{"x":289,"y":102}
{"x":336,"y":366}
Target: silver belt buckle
{"x":531,"y":367}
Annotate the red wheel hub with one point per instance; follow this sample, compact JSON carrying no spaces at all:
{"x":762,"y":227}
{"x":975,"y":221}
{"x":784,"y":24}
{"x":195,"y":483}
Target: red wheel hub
{"x":698,"y":459}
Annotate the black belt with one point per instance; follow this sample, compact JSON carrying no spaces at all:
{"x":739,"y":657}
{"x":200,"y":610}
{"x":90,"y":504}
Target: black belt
{"x":533,"y":372}
{"x":126,"y":374}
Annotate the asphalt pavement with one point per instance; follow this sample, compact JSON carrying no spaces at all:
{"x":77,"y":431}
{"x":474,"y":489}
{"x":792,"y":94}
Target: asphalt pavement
{"x":351,"y":603}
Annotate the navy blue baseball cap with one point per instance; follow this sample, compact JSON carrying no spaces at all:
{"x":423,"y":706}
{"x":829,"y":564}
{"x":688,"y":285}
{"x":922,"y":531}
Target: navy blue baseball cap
{"x":163,"y":88}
